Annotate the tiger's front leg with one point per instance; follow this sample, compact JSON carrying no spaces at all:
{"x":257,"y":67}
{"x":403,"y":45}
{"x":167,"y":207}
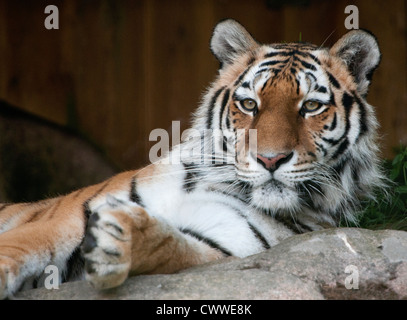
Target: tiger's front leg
{"x":122,"y":239}
{"x":35,"y":236}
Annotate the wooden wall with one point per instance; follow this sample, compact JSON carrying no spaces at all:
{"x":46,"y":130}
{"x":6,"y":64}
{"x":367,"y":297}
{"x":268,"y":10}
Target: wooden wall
{"x":115,"y":70}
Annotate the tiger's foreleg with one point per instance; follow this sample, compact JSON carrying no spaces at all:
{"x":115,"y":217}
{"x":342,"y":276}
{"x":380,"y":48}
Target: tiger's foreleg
{"x":27,"y":249}
{"x":122,"y":239}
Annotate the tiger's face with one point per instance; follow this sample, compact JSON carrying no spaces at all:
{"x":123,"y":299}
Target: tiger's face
{"x":301,"y":110}
{"x":307,"y":104}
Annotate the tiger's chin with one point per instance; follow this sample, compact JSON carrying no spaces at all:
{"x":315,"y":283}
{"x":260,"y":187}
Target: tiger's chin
{"x":274,"y":196}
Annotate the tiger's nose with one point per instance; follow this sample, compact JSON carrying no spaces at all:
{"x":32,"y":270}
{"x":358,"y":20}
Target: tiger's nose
{"x":273,"y":163}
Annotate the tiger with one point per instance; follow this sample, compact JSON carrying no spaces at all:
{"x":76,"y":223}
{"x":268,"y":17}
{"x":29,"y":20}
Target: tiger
{"x":313,"y":160}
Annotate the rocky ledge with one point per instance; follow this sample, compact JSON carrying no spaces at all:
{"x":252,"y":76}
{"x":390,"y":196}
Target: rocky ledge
{"x":345,"y":263}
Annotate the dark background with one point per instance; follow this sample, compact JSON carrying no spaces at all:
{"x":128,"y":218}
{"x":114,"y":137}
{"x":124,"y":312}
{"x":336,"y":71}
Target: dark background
{"x":115,"y":70}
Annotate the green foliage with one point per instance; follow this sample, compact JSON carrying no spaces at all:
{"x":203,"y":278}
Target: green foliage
{"x":389,"y":209}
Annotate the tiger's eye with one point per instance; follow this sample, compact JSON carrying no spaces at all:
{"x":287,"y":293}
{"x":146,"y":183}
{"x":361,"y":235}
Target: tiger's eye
{"x":249,"y":104}
{"x":310,"y":106}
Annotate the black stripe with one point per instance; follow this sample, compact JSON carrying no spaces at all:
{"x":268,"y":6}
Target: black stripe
{"x":276,"y":71}
{"x":303,"y":54}
{"x":250,"y":62}
{"x":269,"y":63}
{"x":224,"y":144}
{"x":314,"y":58}
{"x":262,"y":70}
{"x":241,"y":76}
{"x":190,"y":179}
{"x":331,"y":141}
{"x":332,"y":99}
{"x":333,"y":81}
{"x":206,"y":240}
{"x":288,"y":223}
{"x":227,"y":119}
{"x":287,"y":53}
{"x":321,"y":89}
{"x":246,"y":84}
{"x":86,"y":209}
{"x":341,"y":149}
{"x":272,"y":54}
{"x":291,"y":52}
{"x":265,"y":84}
{"x":223,"y":105}
{"x":347,"y":101}
{"x":211,"y":106}
{"x":362,"y":120}
{"x":309,"y":74}
{"x":259,"y":236}
{"x":134,"y":195}
{"x":298,"y":85}
{"x":74,"y":265}
{"x":307,"y":65}
{"x":320,"y":147}
{"x":333,"y":124}
{"x":272,"y":63}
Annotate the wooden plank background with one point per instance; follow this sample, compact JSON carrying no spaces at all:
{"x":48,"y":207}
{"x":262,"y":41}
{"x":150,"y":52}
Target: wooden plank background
{"x":115,"y":70}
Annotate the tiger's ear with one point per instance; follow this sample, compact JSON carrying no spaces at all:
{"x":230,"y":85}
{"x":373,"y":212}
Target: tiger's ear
{"x":359,"y":50}
{"x":229,"y":40}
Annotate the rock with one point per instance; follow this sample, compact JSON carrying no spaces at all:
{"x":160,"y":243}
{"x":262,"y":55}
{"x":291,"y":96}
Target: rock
{"x":347,"y":263}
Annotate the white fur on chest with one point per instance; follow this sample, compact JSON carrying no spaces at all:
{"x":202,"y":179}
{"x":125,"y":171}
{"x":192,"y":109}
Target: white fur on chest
{"x":214,"y":215}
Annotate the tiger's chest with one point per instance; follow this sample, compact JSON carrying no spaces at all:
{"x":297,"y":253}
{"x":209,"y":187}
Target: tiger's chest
{"x":210,"y":213}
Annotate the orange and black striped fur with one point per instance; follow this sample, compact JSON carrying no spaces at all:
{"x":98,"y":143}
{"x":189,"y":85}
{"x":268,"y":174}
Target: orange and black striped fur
{"x":215,"y":195}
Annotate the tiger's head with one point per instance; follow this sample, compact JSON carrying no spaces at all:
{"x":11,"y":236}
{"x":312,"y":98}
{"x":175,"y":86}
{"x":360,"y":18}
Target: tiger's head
{"x":316,"y":134}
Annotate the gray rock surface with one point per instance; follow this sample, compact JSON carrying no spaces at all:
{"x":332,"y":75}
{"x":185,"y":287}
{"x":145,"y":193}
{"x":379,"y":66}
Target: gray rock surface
{"x":345,"y":263}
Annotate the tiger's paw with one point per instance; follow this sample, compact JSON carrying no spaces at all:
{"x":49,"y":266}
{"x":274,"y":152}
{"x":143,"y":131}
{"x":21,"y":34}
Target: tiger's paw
{"x":107,"y":244}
